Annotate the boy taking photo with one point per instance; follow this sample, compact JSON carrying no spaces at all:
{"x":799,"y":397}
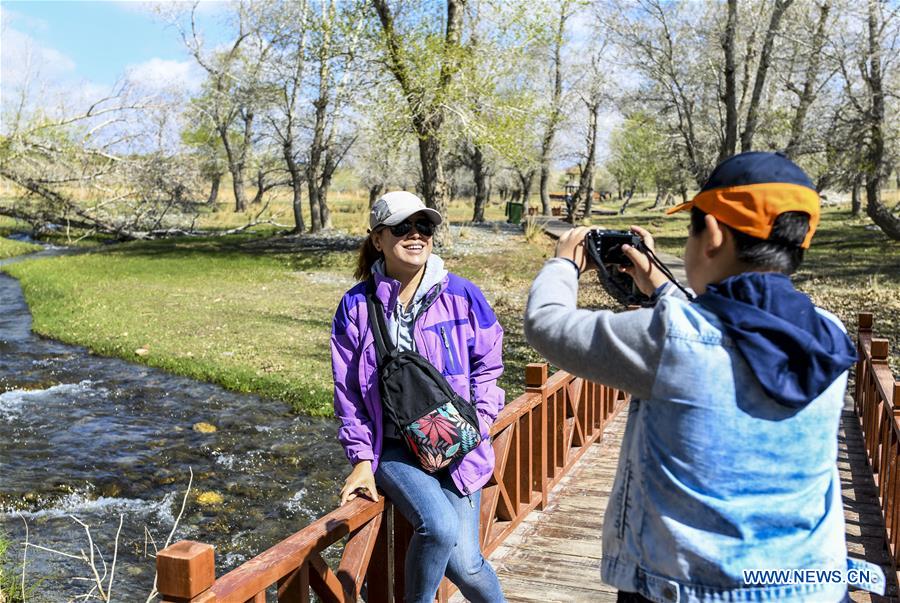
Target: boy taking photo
{"x":728,"y":461}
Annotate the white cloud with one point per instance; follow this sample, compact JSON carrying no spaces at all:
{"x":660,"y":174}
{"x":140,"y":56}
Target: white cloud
{"x":153,"y":7}
{"x":161,"y":74}
{"x":22,"y":57}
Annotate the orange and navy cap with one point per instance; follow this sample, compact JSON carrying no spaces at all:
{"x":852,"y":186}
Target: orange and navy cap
{"x":748,"y":191}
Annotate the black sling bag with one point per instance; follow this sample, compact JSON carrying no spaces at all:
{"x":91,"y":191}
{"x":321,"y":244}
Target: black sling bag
{"x":436,"y":423}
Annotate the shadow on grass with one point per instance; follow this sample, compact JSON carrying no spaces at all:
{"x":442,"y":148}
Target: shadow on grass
{"x":300,"y":252}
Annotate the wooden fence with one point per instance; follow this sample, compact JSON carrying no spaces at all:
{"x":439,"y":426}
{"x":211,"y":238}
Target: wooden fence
{"x":537,"y":438}
{"x":877,"y":403}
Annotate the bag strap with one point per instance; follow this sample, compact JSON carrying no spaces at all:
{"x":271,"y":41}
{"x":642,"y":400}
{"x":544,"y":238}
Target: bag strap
{"x":383,"y":343}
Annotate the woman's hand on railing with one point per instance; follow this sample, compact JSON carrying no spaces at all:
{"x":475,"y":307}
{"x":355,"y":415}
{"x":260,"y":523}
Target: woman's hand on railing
{"x":361,"y":478}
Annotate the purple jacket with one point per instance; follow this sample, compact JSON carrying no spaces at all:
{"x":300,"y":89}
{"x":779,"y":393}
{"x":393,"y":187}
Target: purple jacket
{"x":456,"y":331}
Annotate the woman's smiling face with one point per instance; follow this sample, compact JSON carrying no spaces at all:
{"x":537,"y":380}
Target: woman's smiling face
{"x":404,"y":255}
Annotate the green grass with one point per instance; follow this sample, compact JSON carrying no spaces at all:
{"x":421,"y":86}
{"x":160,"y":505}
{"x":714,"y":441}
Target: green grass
{"x":10,"y":248}
{"x":10,"y":582}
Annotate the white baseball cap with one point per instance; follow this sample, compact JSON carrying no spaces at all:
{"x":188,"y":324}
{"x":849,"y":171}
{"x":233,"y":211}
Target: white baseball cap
{"x":396,"y":206}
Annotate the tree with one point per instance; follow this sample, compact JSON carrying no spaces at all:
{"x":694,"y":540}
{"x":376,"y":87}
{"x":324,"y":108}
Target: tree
{"x":423,"y":61}
{"x":881,"y":28}
{"x":60,"y":159}
{"x":285,"y":77}
{"x":691,"y":80}
{"x":633,"y":147}
{"x":591,"y":92}
{"x":554,"y":110}
{"x":492,"y":107}
{"x":231,"y":95}
{"x":334,"y":40}
{"x":209,"y":154}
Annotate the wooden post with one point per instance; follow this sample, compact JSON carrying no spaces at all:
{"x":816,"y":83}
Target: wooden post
{"x":536,"y":375}
{"x":865,"y":321}
{"x":380,"y":573}
{"x":403,"y":532}
{"x":880,"y":350}
{"x":185,"y":571}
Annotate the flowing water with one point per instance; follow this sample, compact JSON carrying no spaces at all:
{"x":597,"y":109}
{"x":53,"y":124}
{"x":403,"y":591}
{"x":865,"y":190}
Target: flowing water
{"x":96,"y":438}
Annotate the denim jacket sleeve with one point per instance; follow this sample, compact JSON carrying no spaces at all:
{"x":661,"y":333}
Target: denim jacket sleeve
{"x":485,"y":358}
{"x":355,"y":433}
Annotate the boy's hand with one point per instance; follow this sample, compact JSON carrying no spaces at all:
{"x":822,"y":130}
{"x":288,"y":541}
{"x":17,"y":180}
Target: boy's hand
{"x":361,"y":478}
{"x":646,"y":276}
{"x":571,"y":247}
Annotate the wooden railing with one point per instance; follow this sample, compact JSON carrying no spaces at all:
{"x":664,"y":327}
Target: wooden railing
{"x":877,"y":403}
{"x":536,"y":439}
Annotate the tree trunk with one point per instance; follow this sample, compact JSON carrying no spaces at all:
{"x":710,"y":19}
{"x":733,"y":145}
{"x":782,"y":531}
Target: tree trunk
{"x":481,"y":188}
{"x":374,"y":193}
{"x":236,"y":167}
{"x":628,"y":195}
{"x":808,"y":94}
{"x":585,"y":191}
{"x":889,"y":223}
{"x":214,"y":189}
{"x":297,"y":207}
{"x":765,"y":57}
{"x":555,"y":109}
{"x":855,"y":201}
{"x":526,"y":179}
{"x":730,"y":98}
{"x":296,"y":186}
{"x":324,"y":186}
{"x":260,"y":187}
{"x":315,"y":214}
{"x":545,"y":187}
{"x":240,"y":199}
{"x":434,"y":185}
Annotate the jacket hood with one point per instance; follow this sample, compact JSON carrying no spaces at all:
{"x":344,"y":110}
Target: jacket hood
{"x":794,"y":351}
{"x":435,"y":273}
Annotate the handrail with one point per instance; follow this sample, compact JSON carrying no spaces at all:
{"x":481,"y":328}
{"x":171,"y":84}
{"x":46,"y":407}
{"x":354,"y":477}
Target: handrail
{"x":536,"y":438}
{"x":877,"y":403}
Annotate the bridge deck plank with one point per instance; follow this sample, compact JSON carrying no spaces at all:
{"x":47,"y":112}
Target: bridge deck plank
{"x":554,"y":555}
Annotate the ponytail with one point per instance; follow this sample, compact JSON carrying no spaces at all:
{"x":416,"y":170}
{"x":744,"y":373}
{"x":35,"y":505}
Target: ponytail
{"x":368,"y":255}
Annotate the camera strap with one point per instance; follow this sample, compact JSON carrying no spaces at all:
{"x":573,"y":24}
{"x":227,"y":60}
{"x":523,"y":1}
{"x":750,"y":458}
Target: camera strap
{"x":654,"y":259}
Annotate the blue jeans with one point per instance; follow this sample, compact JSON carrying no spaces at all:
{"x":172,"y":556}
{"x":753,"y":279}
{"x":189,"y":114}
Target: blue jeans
{"x":445,"y":524}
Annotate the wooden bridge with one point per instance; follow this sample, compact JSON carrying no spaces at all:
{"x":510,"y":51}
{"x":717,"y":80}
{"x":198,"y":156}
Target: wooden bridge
{"x":542,"y":512}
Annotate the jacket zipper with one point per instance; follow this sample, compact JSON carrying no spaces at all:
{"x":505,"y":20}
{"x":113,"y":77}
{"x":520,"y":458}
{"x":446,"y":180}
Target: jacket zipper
{"x":444,"y":338}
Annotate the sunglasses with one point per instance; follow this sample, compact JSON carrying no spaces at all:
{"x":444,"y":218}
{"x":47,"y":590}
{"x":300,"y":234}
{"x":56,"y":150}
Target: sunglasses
{"x":423,"y":226}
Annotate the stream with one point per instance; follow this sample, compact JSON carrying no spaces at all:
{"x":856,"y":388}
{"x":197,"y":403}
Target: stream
{"x":96,"y":438}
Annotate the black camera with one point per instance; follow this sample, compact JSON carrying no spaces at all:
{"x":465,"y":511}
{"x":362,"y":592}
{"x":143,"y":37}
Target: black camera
{"x":605,"y":246}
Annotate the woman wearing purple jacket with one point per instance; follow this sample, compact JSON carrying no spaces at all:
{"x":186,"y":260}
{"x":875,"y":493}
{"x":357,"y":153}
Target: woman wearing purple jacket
{"x":446,"y":319}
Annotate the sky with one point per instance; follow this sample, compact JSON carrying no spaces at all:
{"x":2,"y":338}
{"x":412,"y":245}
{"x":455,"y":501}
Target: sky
{"x":83,"y":48}
{"x":74,"y":52}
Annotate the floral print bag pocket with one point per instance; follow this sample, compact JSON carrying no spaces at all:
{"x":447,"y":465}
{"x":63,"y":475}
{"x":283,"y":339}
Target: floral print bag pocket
{"x":437,"y":424}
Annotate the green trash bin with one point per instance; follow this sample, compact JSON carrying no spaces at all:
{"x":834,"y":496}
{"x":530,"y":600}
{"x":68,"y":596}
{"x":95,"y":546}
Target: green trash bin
{"x":514,"y":212}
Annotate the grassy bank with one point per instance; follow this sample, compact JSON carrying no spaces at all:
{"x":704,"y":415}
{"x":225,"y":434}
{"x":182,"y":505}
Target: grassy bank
{"x":10,"y":248}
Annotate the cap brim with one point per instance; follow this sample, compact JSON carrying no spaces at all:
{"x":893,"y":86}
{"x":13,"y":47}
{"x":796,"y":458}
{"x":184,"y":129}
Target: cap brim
{"x":398,"y":217}
{"x":680,"y":207}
